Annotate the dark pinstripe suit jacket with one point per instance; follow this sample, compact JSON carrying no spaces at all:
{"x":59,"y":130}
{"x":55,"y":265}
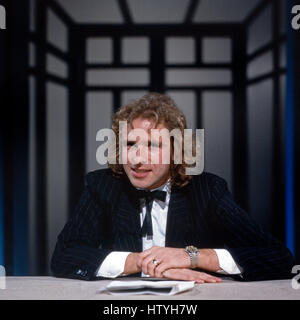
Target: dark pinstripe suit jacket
{"x":202,"y":213}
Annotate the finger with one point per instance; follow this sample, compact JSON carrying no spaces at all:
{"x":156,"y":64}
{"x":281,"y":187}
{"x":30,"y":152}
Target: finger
{"x":159,"y":270}
{"x":146,"y":253}
{"x":151,"y":269}
{"x":147,"y":264}
{"x":190,"y":275}
{"x":140,"y":260}
{"x":206,"y":280}
{"x":181,"y":274}
{"x":149,"y":251}
{"x":207,"y":277}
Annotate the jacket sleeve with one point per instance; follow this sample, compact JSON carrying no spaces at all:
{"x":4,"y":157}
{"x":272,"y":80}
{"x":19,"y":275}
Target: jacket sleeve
{"x":80,"y":247}
{"x":261,"y":256}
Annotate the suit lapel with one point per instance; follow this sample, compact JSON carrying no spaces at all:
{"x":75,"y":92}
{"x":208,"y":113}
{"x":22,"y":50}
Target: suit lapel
{"x":126,"y":220}
{"x":178,"y":232}
{"x":186,"y":224}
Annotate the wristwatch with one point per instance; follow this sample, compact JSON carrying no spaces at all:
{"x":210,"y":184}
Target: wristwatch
{"x":193,"y":253}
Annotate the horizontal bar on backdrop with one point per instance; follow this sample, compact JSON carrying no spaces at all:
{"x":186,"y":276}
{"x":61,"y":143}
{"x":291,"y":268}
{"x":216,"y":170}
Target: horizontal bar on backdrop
{"x":143,"y":65}
{"x":265,"y":48}
{"x":263,"y":77}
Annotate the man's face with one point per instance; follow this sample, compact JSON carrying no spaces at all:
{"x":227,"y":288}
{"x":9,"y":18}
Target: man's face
{"x":140,"y":173}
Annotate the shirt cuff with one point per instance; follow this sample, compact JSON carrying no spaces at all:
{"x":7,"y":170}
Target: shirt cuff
{"x":227,"y":263}
{"x":113,"y":265}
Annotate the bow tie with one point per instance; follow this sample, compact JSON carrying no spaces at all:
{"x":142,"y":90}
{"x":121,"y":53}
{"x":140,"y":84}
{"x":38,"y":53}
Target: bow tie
{"x":149,"y":196}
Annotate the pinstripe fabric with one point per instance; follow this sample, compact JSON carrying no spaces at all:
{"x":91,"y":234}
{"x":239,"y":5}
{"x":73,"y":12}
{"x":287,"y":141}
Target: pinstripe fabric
{"x":202,"y":213}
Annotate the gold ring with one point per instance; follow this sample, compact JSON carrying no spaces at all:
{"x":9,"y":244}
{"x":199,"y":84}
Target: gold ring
{"x":155,"y":262}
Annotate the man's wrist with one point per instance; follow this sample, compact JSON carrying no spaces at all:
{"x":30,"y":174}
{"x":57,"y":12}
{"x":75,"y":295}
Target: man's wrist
{"x":208,"y":260}
{"x":131,"y":265}
{"x":193,"y":254}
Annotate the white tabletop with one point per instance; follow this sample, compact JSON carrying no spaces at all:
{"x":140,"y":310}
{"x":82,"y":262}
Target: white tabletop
{"x":50,"y":288}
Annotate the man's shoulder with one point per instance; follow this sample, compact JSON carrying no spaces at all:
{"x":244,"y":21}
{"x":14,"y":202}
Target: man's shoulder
{"x":203,"y":188}
{"x":208,"y":185}
{"x":100,"y":174}
{"x":99,"y":179}
{"x":207,"y":178}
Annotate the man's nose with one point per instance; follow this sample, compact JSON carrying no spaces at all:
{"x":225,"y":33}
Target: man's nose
{"x":142,"y":154}
{"x":138,"y":156}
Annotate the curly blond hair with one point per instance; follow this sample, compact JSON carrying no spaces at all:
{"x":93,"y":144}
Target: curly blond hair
{"x":161,"y":109}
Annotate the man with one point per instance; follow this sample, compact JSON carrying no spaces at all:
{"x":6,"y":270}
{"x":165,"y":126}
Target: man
{"x":152,"y":219}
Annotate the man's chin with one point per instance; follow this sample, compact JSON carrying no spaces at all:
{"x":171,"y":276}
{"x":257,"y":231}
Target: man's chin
{"x":143,"y":183}
{"x":139,"y":183}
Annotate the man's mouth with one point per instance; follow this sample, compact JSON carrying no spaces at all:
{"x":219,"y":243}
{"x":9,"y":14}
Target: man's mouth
{"x":140,"y":173}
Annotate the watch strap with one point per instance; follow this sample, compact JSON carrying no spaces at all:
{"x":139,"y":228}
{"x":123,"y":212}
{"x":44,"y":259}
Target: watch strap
{"x":193,"y":253}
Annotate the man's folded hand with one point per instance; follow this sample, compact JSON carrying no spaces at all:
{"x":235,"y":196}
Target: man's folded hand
{"x":190,"y":275}
{"x":156,"y":260}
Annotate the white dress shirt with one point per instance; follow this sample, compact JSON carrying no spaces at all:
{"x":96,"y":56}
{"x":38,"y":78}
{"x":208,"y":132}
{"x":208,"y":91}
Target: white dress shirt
{"x":113,"y":264}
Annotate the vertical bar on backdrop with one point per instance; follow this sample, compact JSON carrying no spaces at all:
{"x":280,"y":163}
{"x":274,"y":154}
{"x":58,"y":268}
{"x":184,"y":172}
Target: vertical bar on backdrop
{"x":289,"y":137}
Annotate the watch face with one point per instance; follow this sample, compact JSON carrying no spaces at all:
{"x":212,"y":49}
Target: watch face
{"x":191,"y":249}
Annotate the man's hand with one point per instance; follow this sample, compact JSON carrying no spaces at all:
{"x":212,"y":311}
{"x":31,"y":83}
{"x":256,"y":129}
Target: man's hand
{"x":170,"y":259}
{"x":131,"y":263}
{"x":167,"y":258}
{"x":190,"y":275}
